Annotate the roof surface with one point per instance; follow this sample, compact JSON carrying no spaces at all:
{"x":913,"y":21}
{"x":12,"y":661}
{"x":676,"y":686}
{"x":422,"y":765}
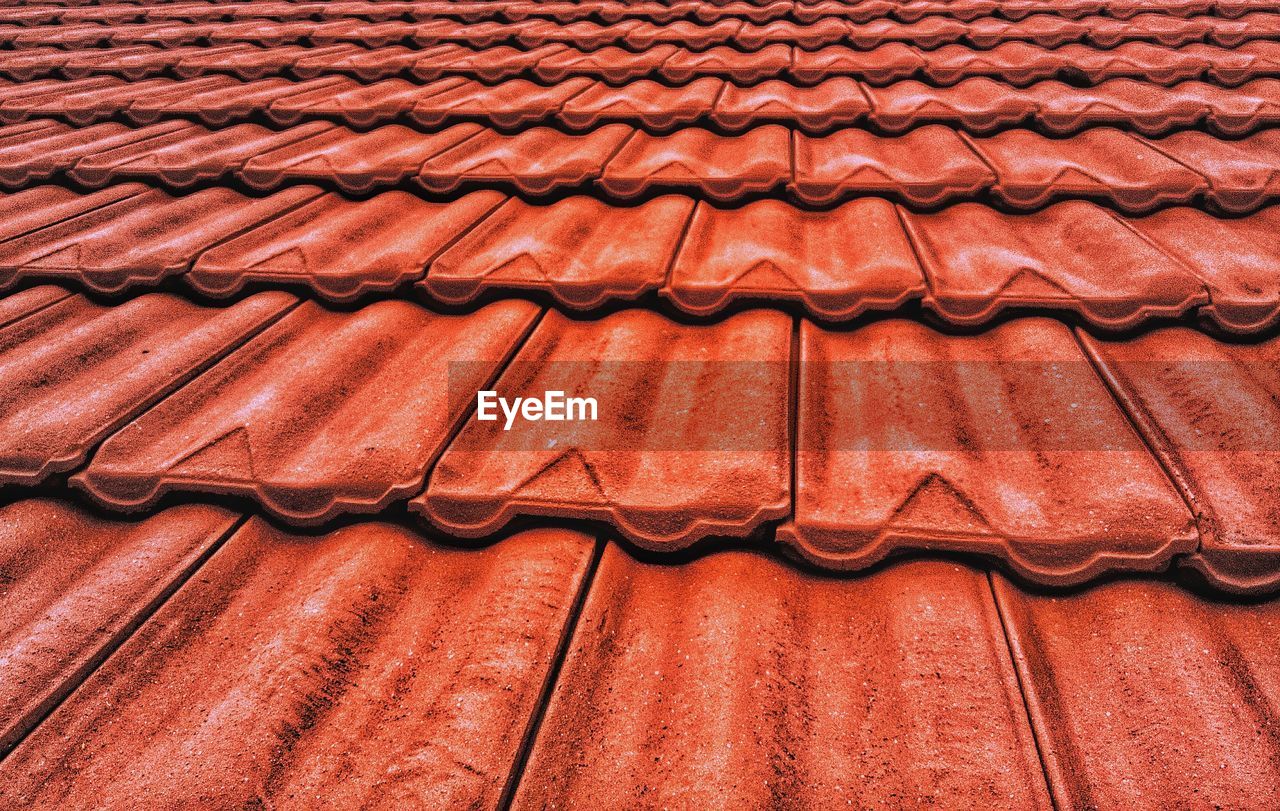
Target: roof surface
{"x":935,"y":345}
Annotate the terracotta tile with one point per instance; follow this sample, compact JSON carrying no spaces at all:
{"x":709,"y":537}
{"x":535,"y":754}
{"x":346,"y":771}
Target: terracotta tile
{"x":368,"y":665}
{"x":1072,"y":256}
{"x":75,"y":371}
{"x":974,"y":105}
{"x":721,"y":168}
{"x":1138,"y":60}
{"x":357,"y":105}
{"x":1019,"y":63}
{"x":834,"y":103}
{"x":223,"y":105}
{"x":1209,"y":409}
{"x":580,"y":251}
{"x":1104,"y":164}
{"x":641,"y":103}
{"x":685,"y":33}
{"x":141,"y":239}
{"x":513,"y":104}
{"x":269,"y":424}
{"x":611,"y":63}
{"x":1147,"y":108}
{"x":76,"y":586}
{"x":34,"y":63}
{"x":664,"y":473}
{"x":928,"y":33}
{"x":135,"y":63}
{"x":31,"y":153}
{"x":1142,"y":694}
{"x":1236,"y":259}
{"x":489,"y":66}
{"x":727,"y":62}
{"x":1242,"y":175}
{"x":856,"y":162}
{"x":188,"y":155}
{"x":365,"y":65}
{"x":17,"y":306}
{"x":827,"y":31}
{"x":838,"y":263}
{"x":736,"y":681}
{"x":756,"y":12}
{"x":535,"y":161}
{"x":1004,"y":444}
{"x":249,"y":62}
{"x":342,"y":249}
{"x":883,"y":64}
{"x":584,"y":35}
{"x":356,"y":162}
{"x":1046,"y":30}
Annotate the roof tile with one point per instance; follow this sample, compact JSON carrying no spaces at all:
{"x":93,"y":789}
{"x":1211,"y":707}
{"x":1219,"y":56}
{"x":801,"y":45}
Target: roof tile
{"x":1241,"y":175}
{"x":76,"y":586}
{"x":1102,"y":163}
{"x":356,"y":162}
{"x":837,"y":263}
{"x":140,"y":239}
{"x":664,"y":473}
{"x":1004,"y":443}
{"x":642,"y":103}
{"x":342,"y":249}
{"x":513,"y":104}
{"x":75,"y":371}
{"x":1209,"y":409}
{"x":415,"y":666}
{"x":974,"y":105}
{"x":534,"y":161}
{"x":716,"y":683}
{"x":834,"y":103}
{"x":268,"y":423}
{"x":612,"y":64}
{"x":1101,"y":670}
{"x":1071,"y":256}
{"x":581,"y":251}
{"x":883,"y":64}
{"x":727,"y":62}
{"x":701,"y":161}
{"x":856,"y":162}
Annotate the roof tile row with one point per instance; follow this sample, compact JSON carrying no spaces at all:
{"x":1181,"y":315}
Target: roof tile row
{"x":930,"y":32}
{"x":283,"y":653}
{"x":977,"y":105}
{"x":998,"y":444}
{"x":1071,"y":257}
{"x":611,"y":11}
{"x":1018,"y":63}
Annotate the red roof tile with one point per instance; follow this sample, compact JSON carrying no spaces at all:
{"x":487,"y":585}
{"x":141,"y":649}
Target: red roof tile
{"x":513,"y":104}
{"x":612,"y":64}
{"x":855,"y":162}
{"x":268,"y":423}
{"x":642,"y":103}
{"x":1141,"y":694}
{"x":1236,"y":259}
{"x":665,"y":474}
{"x":182,"y":156}
{"x":737,"y":66}
{"x":140,"y":239}
{"x":1005,"y":443}
{"x":1241,"y":175}
{"x":535,"y":161}
{"x":837,"y":263}
{"x":1071,"y":256}
{"x":735,"y":681}
{"x":699,"y":161}
{"x":76,"y":586}
{"x":415,"y":666}
{"x":342,"y":249}
{"x":580,"y":251}
{"x":75,"y":371}
{"x":833,"y":103}
{"x":880,"y":65}
{"x":1208,"y":409}
{"x":356,"y":162}
{"x":1102,"y":163}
